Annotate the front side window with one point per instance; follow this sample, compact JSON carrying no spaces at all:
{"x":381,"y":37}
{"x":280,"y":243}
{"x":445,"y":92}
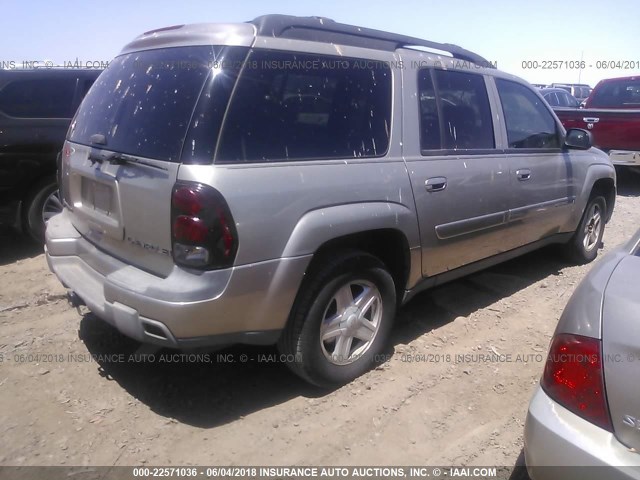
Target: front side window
{"x":529,"y":122}
{"x":39,"y":98}
{"x":456,"y":114}
{"x":289,"y":106}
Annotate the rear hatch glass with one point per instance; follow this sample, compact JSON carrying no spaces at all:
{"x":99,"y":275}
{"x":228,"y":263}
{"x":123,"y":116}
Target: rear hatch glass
{"x":126,"y":144}
{"x":143,"y":103}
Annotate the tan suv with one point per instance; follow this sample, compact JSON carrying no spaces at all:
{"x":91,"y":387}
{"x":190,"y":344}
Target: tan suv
{"x":294,"y":180}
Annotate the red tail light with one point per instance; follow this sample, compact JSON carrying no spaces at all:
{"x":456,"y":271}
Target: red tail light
{"x":573,"y":377}
{"x":203,"y":231}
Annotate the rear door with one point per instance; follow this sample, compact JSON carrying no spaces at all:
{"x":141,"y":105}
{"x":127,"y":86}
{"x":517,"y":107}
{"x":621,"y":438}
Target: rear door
{"x":543,"y":190}
{"x":460,"y":180}
{"x":126,"y":143}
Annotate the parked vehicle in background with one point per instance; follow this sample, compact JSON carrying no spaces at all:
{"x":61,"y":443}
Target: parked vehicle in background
{"x":539,"y":85}
{"x":586,"y":411}
{"x":289,"y":181}
{"x":580,"y":91}
{"x":612,"y":115}
{"x":36,"y":107}
{"x":559,"y":98}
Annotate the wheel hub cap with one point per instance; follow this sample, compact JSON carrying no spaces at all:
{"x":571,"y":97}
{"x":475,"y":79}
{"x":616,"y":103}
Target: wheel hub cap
{"x":351,"y":322}
{"x":592,"y":229}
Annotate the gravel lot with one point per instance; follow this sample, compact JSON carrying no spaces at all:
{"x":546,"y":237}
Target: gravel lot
{"x":71,"y":394}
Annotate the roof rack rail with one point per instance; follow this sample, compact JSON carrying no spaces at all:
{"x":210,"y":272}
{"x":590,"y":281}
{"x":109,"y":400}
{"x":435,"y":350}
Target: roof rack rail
{"x":319,"y":29}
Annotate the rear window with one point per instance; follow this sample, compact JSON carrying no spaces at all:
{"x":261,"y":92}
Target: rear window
{"x":39,"y":98}
{"x":619,"y":94}
{"x":291,"y":106}
{"x":144,"y":101}
{"x":464,"y":111}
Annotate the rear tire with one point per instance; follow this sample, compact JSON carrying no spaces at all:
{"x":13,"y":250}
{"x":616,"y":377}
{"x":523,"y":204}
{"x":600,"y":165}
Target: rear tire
{"x":341,"y":319}
{"x":583,"y":246}
{"x":42,"y":203}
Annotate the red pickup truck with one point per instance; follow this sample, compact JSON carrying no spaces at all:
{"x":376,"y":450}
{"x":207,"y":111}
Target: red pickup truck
{"x":612,"y":115}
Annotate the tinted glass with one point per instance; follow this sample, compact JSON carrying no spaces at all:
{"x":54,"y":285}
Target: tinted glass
{"x":429,"y":119}
{"x":570,"y":101}
{"x":622,"y":93}
{"x":290,"y":106}
{"x":552,"y":99}
{"x":143,"y":102}
{"x":465,"y":109}
{"x":85,"y":85}
{"x":39,"y":98}
{"x":529,"y":123}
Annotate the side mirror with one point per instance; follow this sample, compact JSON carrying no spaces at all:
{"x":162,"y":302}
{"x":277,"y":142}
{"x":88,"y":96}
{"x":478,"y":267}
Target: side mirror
{"x":578,"y":139}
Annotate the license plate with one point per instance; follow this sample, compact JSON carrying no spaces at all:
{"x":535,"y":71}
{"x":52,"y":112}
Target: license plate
{"x":97,"y":195}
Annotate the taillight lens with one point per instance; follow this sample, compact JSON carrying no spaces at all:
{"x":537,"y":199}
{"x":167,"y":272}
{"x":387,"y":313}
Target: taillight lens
{"x":573,"y":377}
{"x":202,"y":228}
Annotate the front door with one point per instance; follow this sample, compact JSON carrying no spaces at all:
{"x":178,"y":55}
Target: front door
{"x":543,"y":187}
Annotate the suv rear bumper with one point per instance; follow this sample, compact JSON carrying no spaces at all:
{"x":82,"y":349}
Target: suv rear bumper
{"x":246,"y":304}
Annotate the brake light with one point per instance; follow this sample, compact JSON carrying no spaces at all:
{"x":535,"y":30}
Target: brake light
{"x":202,"y":229}
{"x":573,"y":377}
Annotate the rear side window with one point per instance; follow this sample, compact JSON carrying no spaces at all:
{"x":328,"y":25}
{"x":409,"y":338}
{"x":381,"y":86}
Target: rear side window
{"x":618,"y":94}
{"x":38,"y":98}
{"x":144,"y":101}
{"x":529,"y":122}
{"x":429,"y":117}
{"x":290,"y":106}
{"x":456,"y":114}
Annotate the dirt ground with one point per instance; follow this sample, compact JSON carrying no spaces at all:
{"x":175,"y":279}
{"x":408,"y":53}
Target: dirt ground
{"x":71,"y":395}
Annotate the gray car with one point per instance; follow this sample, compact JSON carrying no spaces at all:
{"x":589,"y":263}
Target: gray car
{"x":294,"y":180}
{"x":586,"y":411}
{"x":558,"y":97}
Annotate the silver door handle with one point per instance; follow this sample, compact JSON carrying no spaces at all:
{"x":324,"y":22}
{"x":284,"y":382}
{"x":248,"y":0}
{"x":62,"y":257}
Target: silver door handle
{"x":591,"y":119}
{"x":435,"y":184}
{"x":524,"y":174}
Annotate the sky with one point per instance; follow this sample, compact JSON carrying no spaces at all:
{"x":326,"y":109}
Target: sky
{"x":524,"y":38}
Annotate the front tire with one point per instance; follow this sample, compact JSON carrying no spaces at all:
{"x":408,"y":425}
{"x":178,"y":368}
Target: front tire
{"x":584,"y":245}
{"x":341,"y":320}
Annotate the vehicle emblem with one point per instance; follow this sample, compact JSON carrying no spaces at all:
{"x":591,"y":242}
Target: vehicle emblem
{"x":590,"y":121}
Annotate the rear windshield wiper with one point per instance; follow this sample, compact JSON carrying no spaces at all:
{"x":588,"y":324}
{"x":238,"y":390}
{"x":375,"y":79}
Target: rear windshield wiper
{"x":119,"y":159}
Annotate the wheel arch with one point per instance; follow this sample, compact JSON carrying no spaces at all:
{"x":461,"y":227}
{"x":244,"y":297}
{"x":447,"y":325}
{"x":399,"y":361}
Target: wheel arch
{"x":599,"y":179}
{"x":388,"y":231}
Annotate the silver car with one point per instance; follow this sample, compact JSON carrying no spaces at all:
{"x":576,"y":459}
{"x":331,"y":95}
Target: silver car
{"x":294,"y":180}
{"x":586,"y":410}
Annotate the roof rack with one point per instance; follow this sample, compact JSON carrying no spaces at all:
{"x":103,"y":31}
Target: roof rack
{"x":319,"y":29}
